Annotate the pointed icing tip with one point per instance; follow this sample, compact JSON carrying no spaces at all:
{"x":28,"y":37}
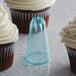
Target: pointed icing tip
{"x":37,"y":24}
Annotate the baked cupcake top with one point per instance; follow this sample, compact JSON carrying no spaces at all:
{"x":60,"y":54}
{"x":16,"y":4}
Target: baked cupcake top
{"x":8,"y":30}
{"x":68,"y":34}
{"x":30,"y":4}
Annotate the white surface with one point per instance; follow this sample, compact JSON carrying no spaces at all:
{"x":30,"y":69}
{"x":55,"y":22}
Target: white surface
{"x":61,"y":13}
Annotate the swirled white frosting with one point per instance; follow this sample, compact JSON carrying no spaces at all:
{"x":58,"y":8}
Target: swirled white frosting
{"x":30,"y":4}
{"x":68,"y":34}
{"x":8,"y":30}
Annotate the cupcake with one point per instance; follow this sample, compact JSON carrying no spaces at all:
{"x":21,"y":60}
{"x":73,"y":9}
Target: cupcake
{"x":8,"y":36}
{"x":68,"y":35}
{"x":22,"y":11}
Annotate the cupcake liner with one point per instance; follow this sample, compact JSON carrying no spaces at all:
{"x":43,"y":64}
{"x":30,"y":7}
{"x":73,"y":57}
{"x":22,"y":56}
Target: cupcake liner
{"x":6,"y":57}
{"x":22,"y":18}
{"x":72,"y":58}
{"x":71,"y":52}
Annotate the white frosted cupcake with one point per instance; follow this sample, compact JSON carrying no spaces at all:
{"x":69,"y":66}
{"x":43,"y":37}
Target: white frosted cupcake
{"x":8,"y":36}
{"x":22,"y":11}
{"x":68,"y":35}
